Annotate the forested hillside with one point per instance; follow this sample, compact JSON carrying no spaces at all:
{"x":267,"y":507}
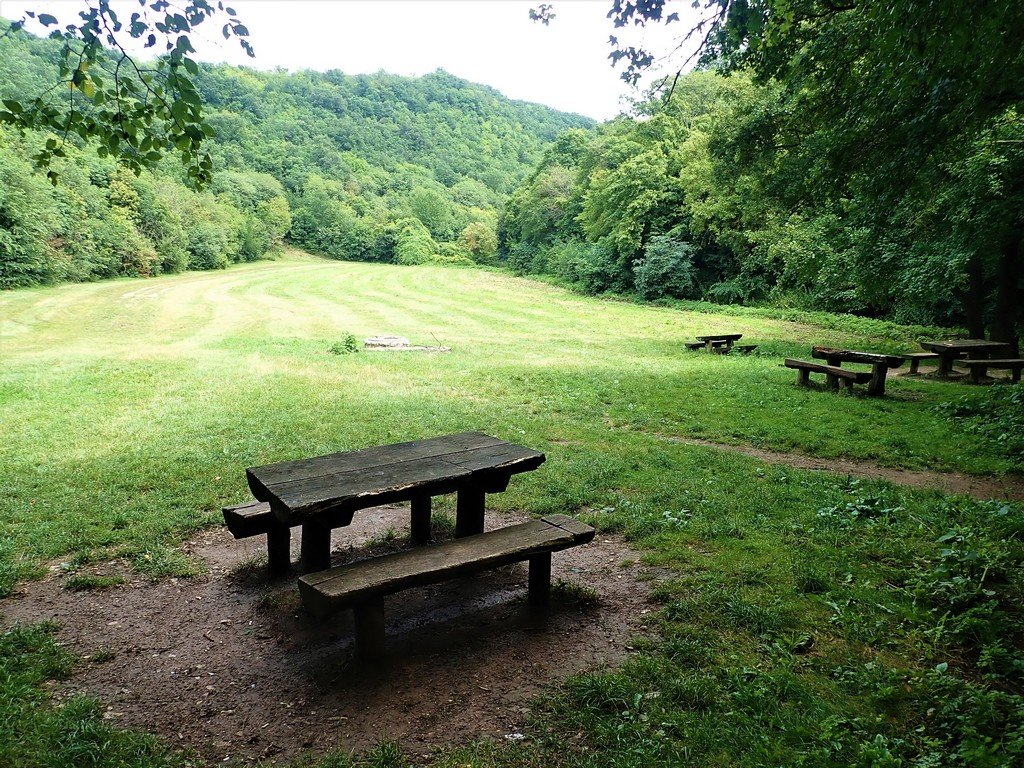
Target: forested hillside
{"x":845,"y":179}
{"x":370,"y":167}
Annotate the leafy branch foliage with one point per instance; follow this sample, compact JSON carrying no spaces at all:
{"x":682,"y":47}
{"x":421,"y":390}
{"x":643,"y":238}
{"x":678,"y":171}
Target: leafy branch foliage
{"x":136,"y":112}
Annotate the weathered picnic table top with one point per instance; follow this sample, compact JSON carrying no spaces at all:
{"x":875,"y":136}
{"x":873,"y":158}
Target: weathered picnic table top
{"x":720,"y":337}
{"x":963,"y":345}
{"x":853,"y":356}
{"x":352,"y":480}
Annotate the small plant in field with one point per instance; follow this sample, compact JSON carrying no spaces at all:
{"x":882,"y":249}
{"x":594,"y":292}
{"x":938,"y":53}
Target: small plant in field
{"x":347,"y":346}
{"x":88,"y":582}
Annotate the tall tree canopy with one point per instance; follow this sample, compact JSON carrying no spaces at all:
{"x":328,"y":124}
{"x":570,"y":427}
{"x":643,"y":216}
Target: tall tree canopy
{"x":911,"y":108}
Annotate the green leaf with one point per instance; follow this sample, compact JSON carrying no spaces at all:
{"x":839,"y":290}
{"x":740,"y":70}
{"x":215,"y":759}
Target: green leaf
{"x":46,"y":19}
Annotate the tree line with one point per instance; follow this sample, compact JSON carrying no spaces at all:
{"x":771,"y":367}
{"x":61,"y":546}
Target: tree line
{"x":369,"y":167}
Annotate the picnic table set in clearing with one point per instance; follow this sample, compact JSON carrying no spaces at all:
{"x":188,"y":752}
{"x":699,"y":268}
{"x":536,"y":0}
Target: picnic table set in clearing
{"x":325,"y":492}
{"x":973,"y":354}
{"x":947,"y":353}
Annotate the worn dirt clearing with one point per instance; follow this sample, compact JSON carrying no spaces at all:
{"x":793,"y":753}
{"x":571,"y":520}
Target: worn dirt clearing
{"x":227,"y":665}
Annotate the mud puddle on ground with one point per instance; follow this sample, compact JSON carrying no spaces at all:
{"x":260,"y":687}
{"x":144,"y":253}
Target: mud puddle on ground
{"x":229,"y":666}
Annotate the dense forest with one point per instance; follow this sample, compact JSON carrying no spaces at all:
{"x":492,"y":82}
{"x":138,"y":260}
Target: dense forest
{"x":369,"y":167}
{"x":704,"y":198}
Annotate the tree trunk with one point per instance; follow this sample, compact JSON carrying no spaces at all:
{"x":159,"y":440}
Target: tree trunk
{"x":974,"y":305}
{"x":1008,"y":305}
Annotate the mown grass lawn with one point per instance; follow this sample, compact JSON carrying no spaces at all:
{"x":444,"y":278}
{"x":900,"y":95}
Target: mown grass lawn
{"x":811,"y":620}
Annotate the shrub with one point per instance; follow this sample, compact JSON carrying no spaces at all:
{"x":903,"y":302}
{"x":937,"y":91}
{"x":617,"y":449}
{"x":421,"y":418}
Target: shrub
{"x":207,"y":246}
{"x":666,"y":269}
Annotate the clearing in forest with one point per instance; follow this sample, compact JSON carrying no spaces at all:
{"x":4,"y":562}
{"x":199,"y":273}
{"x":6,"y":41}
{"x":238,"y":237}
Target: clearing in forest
{"x":740,"y":603}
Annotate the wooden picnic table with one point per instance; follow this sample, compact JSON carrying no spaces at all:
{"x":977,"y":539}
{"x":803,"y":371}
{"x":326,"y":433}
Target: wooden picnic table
{"x":880,"y":364}
{"x":323,"y":493}
{"x":717,"y":339}
{"x":951,"y":350}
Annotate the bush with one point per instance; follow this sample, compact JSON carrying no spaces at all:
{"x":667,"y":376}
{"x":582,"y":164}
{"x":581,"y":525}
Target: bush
{"x":207,"y":246}
{"x":666,"y":269}
{"x":414,"y":244}
{"x":452,"y":253}
{"x":592,"y":267}
{"x":480,"y":242}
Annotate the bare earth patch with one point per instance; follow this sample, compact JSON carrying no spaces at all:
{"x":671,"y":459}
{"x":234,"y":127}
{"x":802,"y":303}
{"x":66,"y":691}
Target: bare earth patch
{"x":229,"y":666}
{"x":1007,"y":487}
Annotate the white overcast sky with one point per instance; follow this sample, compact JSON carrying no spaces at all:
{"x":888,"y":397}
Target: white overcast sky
{"x":564,"y":65}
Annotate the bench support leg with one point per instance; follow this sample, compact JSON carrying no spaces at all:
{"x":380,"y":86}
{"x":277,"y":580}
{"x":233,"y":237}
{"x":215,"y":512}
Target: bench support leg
{"x":831,"y":381}
{"x":540,"y":579}
{"x":279,"y":548}
{"x":1015,"y":375}
{"x":978,"y":373}
{"x":914,"y":366}
{"x":945,"y":365}
{"x":369,"y":626}
{"x":420,"y":520}
{"x":803,"y":377}
{"x":315,"y":548}
{"x":469,"y":511}
{"x":876,"y":386}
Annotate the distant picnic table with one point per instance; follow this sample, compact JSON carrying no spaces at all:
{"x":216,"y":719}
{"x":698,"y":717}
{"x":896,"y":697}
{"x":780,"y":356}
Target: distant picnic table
{"x":713,"y":340}
{"x":951,"y":350}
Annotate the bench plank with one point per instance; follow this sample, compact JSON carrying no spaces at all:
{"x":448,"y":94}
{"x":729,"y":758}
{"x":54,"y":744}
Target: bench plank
{"x":858,"y":377}
{"x":979,"y":368}
{"x":328,"y":591}
{"x":853,"y":356}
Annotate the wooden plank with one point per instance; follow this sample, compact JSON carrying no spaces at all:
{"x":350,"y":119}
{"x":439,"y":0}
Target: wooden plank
{"x":337,"y":588}
{"x":1006,"y":364}
{"x":359,"y":479}
{"x":299,"y":499}
{"x":719,"y":337}
{"x":282,"y":472}
{"x":250,"y":519}
{"x":860,"y":377}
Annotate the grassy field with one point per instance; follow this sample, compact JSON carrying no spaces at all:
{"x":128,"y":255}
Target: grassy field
{"x":811,"y":620}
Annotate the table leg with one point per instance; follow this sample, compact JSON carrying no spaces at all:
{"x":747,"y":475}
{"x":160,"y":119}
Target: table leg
{"x":945,"y":364}
{"x":469,"y":511}
{"x":876,"y":386}
{"x":540,"y":579}
{"x":420,"y":522}
{"x":315,"y":549}
{"x":978,"y":374}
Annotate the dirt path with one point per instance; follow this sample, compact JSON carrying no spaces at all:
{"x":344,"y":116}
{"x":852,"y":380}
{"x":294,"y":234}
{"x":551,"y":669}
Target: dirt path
{"x":229,"y":666}
{"x":1007,"y":487}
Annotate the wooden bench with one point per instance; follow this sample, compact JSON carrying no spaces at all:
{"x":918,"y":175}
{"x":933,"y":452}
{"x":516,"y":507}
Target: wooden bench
{"x":915,"y":358}
{"x":362,"y":586}
{"x":979,"y":368}
{"x":880,"y":364}
{"x":834,"y":375}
